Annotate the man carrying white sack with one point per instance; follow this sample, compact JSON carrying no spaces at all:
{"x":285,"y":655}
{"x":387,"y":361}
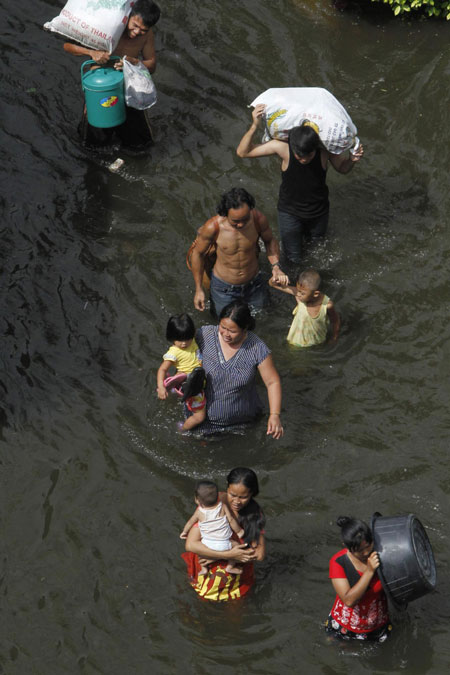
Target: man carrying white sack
{"x":303,"y":206}
{"x":137,"y":40}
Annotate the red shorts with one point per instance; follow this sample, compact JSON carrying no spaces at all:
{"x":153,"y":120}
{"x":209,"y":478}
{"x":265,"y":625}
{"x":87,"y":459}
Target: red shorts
{"x":197,"y":402}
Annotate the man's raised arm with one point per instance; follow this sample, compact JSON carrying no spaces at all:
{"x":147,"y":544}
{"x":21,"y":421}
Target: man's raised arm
{"x":247,"y":148}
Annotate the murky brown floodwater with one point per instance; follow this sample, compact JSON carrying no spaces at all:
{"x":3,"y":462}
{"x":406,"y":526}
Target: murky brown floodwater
{"x":96,"y":484}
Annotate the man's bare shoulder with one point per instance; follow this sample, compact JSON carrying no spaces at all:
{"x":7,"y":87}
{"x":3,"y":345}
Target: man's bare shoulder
{"x":259,"y":216}
{"x":260,"y":221}
{"x":210,"y":229}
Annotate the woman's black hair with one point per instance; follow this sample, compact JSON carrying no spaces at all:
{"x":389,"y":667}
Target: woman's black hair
{"x":252,"y":519}
{"x":147,"y":10}
{"x":234,"y":199}
{"x":303,"y":140}
{"x":242,"y":475}
{"x":239,"y":312}
{"x":354,"y":532}
{"x":180,"y":327}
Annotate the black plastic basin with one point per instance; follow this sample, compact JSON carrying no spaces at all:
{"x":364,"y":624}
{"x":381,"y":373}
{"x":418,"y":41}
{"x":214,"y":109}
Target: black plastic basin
{"x":407,"y":568}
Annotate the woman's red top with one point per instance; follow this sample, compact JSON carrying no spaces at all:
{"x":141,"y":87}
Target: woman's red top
{"x":371,"y":611}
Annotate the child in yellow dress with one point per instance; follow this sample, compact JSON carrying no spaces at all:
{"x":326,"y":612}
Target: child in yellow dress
{"x":185,"y":355}
{"x":314,"y":313}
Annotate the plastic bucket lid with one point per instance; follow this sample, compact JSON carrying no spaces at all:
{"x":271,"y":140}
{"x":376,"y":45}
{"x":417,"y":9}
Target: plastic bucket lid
{"x":102,"y":79}
{"x":407,"y":567}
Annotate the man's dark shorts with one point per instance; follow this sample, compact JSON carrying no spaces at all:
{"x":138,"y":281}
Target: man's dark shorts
{"x":255,"y":293}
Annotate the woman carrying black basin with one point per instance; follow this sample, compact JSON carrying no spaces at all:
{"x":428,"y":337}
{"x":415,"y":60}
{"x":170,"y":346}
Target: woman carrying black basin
{"x":360,"y":610}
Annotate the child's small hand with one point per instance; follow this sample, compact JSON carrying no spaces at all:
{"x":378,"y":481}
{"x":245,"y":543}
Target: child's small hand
{"x":283,"y":280}
{"x":241,"y":533}
{"x":279,"y":278}
{"x":162,"y":393}
{"x":183,"y":535}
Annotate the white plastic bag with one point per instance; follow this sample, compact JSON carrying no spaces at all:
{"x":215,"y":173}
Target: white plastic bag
{"x":289,"y":107}
{"x":140,"y":90}
{"x":96,"y":24}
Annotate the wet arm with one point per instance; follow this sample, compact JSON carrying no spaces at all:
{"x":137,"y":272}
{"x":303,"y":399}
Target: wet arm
{"x":350,"y":596}
{"x":205,"y":237}
{"x":76,"y":50}
{"x":160,"y":377}
{"x":272,"y":381}
{"x":272,"y":251}
{"x":335,"y":321}
{"x":345,"y":163}
{"x":233,"y":522}
{"x":260,"y":550}
{"x":240,"y":553}
{"x":247,"y":148}
{"x":190,"y":523}
{"x":286,"y":289}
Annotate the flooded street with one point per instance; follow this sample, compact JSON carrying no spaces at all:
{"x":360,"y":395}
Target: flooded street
{"x":96,"y":483}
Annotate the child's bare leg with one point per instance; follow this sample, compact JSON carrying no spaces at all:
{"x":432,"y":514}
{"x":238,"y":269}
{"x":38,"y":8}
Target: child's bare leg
{"x":194,"y":420}
{"x":234,"y":567}
{"x":205,"y":562}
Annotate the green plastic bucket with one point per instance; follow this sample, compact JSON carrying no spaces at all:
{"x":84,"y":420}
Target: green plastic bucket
{"x":104,"y":96}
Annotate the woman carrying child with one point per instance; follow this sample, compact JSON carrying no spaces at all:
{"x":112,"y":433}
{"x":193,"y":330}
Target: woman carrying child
{"x":232,"y":357}
{"x":217,"y":584}
{"x":215,"y":522}
{"x":314,"y":313}
{"x":360,"y":610}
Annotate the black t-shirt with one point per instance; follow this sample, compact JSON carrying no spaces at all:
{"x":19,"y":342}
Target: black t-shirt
{"x":303,"y":189}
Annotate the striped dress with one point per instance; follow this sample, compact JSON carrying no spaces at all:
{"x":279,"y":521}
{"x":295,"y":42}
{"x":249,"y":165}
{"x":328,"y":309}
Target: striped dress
{"x":231,"y":397}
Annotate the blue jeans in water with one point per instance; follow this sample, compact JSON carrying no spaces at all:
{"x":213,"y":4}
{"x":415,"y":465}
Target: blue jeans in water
{"x":294,"y":230}
{"x":255,"y":293}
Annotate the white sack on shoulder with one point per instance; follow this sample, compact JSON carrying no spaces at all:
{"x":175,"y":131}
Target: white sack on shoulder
{"x":96,"y":24}
{"x":140,"y":90}
{"x":288,"y":107}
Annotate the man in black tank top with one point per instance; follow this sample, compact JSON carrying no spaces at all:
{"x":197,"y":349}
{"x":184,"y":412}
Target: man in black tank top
{"x":303,"y":205}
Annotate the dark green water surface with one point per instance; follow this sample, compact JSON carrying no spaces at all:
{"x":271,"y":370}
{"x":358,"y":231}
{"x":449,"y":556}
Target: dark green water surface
{"x":96,"y":484}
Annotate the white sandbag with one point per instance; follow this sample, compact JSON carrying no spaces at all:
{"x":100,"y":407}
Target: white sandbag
{"x":96,"y":24}
{"x":289,"y":107}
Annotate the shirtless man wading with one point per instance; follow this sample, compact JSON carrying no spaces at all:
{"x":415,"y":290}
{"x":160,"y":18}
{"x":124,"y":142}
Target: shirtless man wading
{"x":235,"y":231}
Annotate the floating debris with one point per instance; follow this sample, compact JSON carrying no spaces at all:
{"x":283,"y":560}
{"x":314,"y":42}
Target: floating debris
{"x":115,"y":166}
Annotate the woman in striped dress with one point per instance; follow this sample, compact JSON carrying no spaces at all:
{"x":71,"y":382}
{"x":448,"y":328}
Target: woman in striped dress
{"x":232,"y":355}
